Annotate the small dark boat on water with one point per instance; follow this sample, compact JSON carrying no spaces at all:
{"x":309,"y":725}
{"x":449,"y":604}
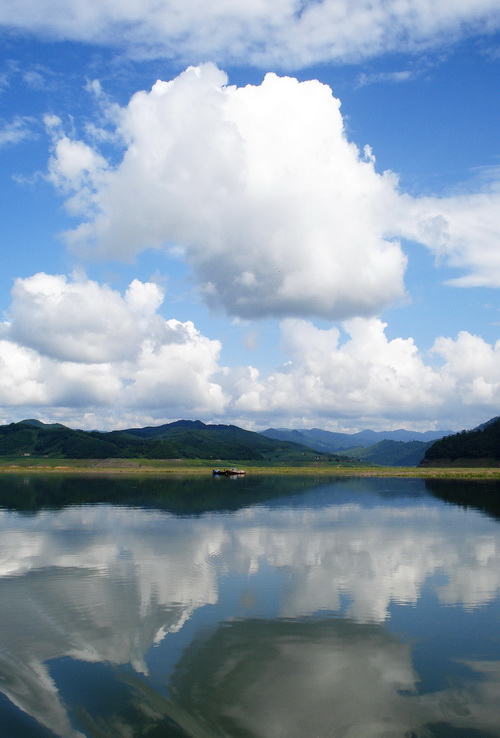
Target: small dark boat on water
{"x":228,"y":472}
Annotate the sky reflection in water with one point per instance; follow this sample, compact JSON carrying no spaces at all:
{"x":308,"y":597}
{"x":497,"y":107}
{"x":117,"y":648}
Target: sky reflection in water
{"x":339,"y":608}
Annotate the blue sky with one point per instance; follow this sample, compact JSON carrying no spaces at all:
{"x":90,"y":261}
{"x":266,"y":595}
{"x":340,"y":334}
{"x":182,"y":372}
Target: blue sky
{"x":270,"y":214}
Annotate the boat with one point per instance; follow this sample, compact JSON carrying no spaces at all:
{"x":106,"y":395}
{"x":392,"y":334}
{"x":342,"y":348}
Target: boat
{"x":228,"y":472}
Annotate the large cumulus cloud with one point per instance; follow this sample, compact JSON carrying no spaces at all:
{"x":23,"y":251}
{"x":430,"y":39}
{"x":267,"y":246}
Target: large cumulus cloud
{"x":290,"y":33}
{"x":79,"y":344}
{"x":275,"y":210}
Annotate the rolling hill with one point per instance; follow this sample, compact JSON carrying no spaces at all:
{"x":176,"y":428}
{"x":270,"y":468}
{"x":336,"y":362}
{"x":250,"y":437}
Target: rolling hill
{"x":183,"y":439}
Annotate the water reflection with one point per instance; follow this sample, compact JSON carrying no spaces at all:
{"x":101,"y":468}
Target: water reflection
{"x":333,"y":678}
{"x":301,"y":615}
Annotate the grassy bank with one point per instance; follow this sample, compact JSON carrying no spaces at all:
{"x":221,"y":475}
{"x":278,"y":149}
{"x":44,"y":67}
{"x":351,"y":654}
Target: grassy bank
{"x":201,"y":467}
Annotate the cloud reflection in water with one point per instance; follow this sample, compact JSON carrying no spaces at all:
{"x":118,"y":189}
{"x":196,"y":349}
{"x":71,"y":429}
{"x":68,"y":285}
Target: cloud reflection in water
{"x":105,"y":584}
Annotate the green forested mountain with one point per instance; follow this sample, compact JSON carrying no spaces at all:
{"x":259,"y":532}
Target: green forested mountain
{"x":194,"y":439}
{"x":183,"y":439}
{"x":480,"y":445}
{"x":34,"y":438}
{"x":392,"y":453}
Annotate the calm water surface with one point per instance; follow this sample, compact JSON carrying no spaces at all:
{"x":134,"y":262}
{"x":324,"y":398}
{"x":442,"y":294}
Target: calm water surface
{"x":273,"y":608}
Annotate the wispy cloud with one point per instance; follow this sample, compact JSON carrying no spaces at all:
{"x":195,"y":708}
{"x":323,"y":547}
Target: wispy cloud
{"x":376,"y":77}
{"x":17,"y":130}
{"x":284,"y":33}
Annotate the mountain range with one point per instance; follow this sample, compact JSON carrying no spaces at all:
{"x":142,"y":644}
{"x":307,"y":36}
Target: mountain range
{"x":387,"y":448}
{"x":192,"y":439}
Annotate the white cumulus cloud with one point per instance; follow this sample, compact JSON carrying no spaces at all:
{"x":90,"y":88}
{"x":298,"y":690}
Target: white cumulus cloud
{"x":276,"y":211}
{"x":82,"y":320}
{"x":89,"y":355}
{"x":76,"y":343}
{"x":368,"y":376}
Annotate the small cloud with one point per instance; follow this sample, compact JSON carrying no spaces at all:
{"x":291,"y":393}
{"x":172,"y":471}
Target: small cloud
{"x":377,"y":77}
{"x":17,"y":130}
{"x":94,"y":87}
{"x":487,"y":176}
{"x":489,"y":50}
{"x":34,"y":80}
{"x":52,"y":122}
{"x":251,"y":340}
{"x":39,"y":77}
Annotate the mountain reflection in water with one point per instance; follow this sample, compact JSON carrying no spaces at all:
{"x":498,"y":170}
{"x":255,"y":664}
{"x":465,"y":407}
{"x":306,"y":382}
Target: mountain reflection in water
{"x":339,"y":607}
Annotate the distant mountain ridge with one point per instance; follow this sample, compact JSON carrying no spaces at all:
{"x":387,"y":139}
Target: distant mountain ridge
{"x":385,"y":448}
{"x":329,"y":441}
{"x":392,"y":453}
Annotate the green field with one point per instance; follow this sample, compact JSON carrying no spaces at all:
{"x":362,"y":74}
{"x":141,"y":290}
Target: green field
{"x":202,"y":466}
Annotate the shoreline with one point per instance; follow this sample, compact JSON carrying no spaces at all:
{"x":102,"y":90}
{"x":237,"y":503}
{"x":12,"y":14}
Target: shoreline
{"x":129,"y":467}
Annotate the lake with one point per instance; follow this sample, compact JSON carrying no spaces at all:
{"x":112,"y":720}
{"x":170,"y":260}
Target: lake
{"x":268,"y":607}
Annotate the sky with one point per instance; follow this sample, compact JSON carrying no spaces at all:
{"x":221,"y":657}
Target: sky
{"x":272,"y":213}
